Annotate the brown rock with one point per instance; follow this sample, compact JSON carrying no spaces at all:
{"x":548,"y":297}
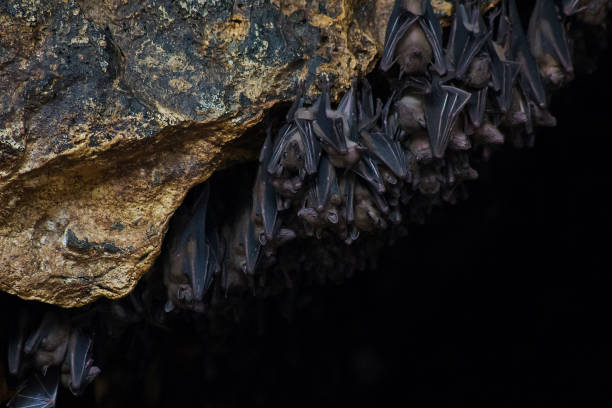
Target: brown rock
{"x":111,"y":110}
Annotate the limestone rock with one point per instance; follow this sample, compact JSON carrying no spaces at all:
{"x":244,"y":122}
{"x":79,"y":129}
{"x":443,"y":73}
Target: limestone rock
{"x":111,"y":110}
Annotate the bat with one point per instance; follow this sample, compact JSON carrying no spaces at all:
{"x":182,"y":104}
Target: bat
{"x":467,"y":38}
{"x":265,"y":208}
{"x":433,"y":31}
{"x":548,"y":41}
{"x":529,"y":73}
{"x":288,"y":152}
{"x":503,"y":76}
{"x":348,"y":189}
{"x":16,"y":342}
{"x":476,"y":106}
{"x":38,"y":391}
{"x":312,"y":148}
{"x":250,"y":245}
{"x":326,"y":185}
{"x":379,"y":200}
{"x":399,"y":23}
{"x":570,"y":7}
{"x":387,"y":150}
{"x":348,"y":109}
{"x":368,"y":170}
{"x":79,"y":361}
{"x":189,"y":253}
{"x":331,"y":132}
{"x":442,"y":106}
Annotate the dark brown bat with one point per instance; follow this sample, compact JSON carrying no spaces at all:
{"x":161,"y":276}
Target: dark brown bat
{"x":548,"y":43}
{"x":467,"y":38}
{"x":16,"y":342}
{"x":476,"y":106}
{"x":368,"y":170}
{"x":78,"y":363}
{"x":529,"y":72}
{"x":265,"y":209}
{"x":189,"y":266}
{"x":442,"y":106}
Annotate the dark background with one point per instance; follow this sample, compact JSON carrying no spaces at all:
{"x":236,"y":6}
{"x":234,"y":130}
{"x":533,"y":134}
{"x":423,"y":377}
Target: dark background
{"x":500,"y":300}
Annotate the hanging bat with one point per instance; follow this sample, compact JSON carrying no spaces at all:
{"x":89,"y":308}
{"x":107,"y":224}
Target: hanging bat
{"x":188,"y":266}
{"x":529,"y":72}
{"x":265,"y":208}
{"x":16,"y":342}
{"x":387,"y":151}
{"x":312,"y":148}
{"x":411,"y":113}
{"x":571,"y":7}
{"x":412,"y":44}
{"x":433,"y":31}
{"x":49,"y":341}
{"x":250,"y":245}
{"x":348,"y":109}
{"x":467,"y":38}
{"x":549,"y":44}
{"x":78,"y":367}
{"x":326,"y":185}
{"x":331,"y":132}
{"x":38,"y":391}
{"x":348,"y":189}
{"x":503,"y":76}
{"x":442,"y":106}
{"x":368,"y":170}
{"x":288,"y":153}
{"x":476,"y":106}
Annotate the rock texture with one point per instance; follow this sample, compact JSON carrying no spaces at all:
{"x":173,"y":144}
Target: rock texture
{"x":110,"y":110}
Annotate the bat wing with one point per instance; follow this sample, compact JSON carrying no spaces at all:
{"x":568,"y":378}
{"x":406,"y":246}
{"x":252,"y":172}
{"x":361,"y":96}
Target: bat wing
{"x":16,"y":342}
{"x":326,"y":128}
{"x":399,"y":22}
{"x":433,"y":31}
{"x":468,"y":37}
{"x":284,"y":135}
{"x":193,"y":243}
{"x":265,"y":208}
{"x":476,"y":106}
{"x":442,"y":106}
{"x":326,"y":178}
{"x":312,"y":147}
{"x":379,"y":200}
{"x":37,"y":391}
{"x":349,"y":196}
{"x":252,"y":247}
{"x":503,"y":76}
{"x":368,"y":170}
{"x":79,"y":359}
{"x":571,"y":7}
{"x":348,"y":109}
{"x":529,"y":72}
{"x":387,"y":151}
{"x":546,"y":31}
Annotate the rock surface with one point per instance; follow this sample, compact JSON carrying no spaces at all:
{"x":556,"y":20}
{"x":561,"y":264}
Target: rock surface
{"x":111,"y":110}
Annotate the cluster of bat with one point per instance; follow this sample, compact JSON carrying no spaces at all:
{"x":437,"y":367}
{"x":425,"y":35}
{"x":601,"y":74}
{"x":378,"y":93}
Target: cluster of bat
{"x":333,"y":175}
{"x":52,"y":350}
